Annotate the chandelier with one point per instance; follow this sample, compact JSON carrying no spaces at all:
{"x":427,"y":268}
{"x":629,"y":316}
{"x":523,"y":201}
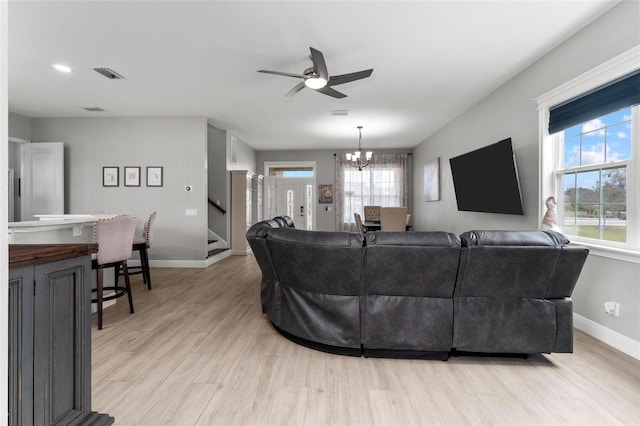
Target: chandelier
{"x":355,"y":159}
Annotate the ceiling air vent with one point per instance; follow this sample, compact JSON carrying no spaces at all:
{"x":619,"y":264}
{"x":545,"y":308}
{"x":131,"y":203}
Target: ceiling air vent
{"x":108,"y":72}
{"x":93,"y":109}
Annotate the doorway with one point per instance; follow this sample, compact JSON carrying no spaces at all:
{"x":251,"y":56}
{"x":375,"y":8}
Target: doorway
{"x":289,"y":190}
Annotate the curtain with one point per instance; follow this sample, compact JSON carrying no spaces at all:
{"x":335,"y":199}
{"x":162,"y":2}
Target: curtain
{"x":382,"y":183}
{"x":619,"y":93}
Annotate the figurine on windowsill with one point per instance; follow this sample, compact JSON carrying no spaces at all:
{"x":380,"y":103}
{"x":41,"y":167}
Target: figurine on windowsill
{"x":550,"y":219}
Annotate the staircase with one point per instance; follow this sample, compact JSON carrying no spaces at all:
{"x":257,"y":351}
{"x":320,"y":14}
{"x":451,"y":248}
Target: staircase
{"x":217,"y":248}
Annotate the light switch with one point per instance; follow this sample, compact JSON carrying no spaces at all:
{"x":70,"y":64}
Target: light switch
{"x":192,"y":212}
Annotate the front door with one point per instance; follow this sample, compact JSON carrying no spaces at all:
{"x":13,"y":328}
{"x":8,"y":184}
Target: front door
{"x":293,"y":199}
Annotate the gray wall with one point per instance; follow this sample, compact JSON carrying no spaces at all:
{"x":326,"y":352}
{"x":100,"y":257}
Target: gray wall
{"x":219,"y":183}
{"x":240,"y":156}
{"x":179,"y":144}
{"x":511,"y":111}
{"x":19,"y":126}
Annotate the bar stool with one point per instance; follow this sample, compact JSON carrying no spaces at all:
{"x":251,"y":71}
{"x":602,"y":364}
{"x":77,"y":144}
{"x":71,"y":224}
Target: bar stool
{"x":142,"y":243}
{"x":115,"y":241}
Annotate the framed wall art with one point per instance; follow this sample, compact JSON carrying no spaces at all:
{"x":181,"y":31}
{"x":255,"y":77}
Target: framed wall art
{"x":432,"y":180}
{"x":154,"y":176}
{"x":325,"y":194}
{"x":131,"y":176}
{"x":110,"y":176}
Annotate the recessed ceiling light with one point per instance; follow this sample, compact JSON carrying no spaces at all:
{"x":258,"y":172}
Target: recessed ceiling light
{"x":62,"y":68}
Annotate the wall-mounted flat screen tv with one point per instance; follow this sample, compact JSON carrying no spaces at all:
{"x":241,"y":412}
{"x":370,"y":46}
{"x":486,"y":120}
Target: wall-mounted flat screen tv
{"x":486,"y":180}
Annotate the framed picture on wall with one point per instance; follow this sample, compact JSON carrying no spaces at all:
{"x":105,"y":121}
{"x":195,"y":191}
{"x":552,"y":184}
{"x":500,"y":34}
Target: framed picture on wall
{"x":154,"y":176}
{"x":432,"y":180}
{"x":325,"y":194}
{"x":131,"y":176}
{"x":110,"y":176}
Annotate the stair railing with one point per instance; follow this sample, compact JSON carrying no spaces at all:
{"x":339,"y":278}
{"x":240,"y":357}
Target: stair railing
{"x":217,"y":206}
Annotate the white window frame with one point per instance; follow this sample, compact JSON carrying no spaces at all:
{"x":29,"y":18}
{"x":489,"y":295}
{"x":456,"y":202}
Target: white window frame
{"x":549,"y":153}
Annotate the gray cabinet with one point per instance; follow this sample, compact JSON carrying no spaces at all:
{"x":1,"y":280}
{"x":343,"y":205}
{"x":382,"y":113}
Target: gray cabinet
{"x":50,"y":337}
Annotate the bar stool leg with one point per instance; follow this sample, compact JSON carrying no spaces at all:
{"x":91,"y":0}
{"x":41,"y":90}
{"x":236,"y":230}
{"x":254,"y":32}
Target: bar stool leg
{"x":125,"y":270}
{"x":99,"y":291}
{"x":147,"y":269}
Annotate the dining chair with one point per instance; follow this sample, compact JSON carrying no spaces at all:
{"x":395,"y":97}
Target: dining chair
{"x":393,"y":218}
{"x":371,"y":213}
{"x":115,"y":244}
{"x":142,"y":243}
{"x":360,"y":227}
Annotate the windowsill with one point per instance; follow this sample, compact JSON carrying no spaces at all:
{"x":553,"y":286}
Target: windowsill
{"x":624,"y":255}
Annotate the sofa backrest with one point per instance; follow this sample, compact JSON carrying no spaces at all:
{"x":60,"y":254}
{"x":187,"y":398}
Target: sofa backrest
{"x":411,"y":263}
{"x":316,"y":261}
{"x":256,"y":237}
{"x":284,"y":221}
{"x":526,"y":264}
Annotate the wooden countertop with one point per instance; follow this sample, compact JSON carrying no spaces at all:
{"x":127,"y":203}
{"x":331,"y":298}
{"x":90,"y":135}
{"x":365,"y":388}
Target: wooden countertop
{"x":33,"y":254}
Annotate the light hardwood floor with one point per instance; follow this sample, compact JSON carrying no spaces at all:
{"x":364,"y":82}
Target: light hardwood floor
{"x":199,"y":351}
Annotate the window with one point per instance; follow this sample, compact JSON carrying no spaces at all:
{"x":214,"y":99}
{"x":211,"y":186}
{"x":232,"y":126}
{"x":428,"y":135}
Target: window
{"x":589,"y":156}
{"x":382,"y":183}
{"x":293,"y":172}
{"x":593,"y":159}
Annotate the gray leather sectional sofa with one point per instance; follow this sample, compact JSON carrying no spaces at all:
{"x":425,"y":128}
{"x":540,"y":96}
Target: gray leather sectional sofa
{"x":418,"y":294}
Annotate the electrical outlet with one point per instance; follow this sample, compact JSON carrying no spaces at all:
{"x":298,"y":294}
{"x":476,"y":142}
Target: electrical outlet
{"x":192,"y":212}
{"x":612,"y":308}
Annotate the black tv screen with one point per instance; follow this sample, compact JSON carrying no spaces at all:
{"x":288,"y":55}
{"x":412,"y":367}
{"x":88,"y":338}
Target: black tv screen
{"x":486,"y":180}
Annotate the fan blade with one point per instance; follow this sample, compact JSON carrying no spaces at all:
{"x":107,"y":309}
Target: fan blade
{"x":286,"y":74}
{"x":346,"y":78}
{"x":331,"y":92}
{"x":295,"y":90}
{"x":319,"y":65}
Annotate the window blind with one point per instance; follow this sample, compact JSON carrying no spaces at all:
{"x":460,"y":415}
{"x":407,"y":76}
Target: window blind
{"x":619,"y":93}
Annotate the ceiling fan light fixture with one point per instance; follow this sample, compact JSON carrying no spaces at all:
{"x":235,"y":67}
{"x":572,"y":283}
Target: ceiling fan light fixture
{"x":315,"y":82}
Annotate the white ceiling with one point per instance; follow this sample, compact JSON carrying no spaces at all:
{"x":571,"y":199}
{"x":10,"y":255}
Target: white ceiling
{"x":432,"y":60}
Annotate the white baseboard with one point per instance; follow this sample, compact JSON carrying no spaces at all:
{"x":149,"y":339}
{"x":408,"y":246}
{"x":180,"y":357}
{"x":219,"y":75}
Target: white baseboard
{"x":612,"y":338}
{"x":183,"y":263}
{"x":177,"y":263}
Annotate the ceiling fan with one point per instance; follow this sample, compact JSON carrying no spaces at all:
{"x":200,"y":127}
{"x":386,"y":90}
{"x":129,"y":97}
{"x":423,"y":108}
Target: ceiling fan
{"x":317,"y":77}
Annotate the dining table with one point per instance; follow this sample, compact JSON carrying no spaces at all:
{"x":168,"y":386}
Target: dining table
{"x":374,"y":225}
